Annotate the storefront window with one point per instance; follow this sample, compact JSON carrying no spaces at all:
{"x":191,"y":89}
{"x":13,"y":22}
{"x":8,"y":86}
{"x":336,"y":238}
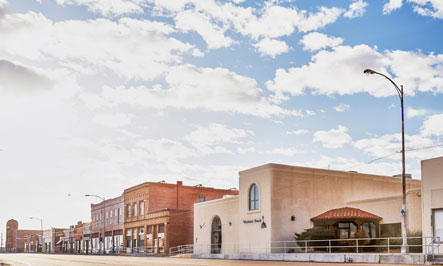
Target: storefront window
{"x":438,"y":223}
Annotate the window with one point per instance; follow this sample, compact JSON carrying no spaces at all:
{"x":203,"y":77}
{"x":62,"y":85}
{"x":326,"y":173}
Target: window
{"x":253,"y":197}
{"x":201,"y":198}
{"x":437,"y":222}
{"x":128,"y":210}
{"x":135,"y":209}
{"x":142,"y":208}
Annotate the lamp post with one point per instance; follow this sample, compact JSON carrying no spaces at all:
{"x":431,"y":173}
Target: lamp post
{"x":41,"y":228}
{"x":104,"y":219}
{"x":404,"y":246}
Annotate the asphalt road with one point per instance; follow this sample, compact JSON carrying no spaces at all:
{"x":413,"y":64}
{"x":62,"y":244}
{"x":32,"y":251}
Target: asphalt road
{"x":82,"y":260}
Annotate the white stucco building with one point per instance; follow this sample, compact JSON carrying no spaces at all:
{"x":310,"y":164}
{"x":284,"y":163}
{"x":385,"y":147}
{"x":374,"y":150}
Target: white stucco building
{"x":275,"y":201}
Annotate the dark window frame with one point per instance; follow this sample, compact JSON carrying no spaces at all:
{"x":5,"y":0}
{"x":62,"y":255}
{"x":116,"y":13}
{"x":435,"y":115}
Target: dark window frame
{"x":254,"y":196}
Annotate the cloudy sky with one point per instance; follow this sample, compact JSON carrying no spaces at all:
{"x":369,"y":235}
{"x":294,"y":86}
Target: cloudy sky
{"x":97,"y":95}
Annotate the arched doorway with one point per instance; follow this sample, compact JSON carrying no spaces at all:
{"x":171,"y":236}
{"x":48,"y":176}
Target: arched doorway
{"x":216,"y":235}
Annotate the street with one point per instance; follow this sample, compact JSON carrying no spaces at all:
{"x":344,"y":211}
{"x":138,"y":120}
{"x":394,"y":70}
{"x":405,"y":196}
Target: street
{"x":79,"y":260}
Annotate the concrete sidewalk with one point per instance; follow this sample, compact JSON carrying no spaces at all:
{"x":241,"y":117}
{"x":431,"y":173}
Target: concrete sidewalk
{"x":416,"y":259}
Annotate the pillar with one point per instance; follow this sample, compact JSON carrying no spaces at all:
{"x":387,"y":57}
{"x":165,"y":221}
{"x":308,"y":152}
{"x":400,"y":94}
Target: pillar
{"x":145,"y":241}
{"x":166,"y":240}
{"x":156,"y":239}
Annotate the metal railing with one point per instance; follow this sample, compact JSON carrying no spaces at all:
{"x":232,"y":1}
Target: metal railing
{"x":426,"y":245}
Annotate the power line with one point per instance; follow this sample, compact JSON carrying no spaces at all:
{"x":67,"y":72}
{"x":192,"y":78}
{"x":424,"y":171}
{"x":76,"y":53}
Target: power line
{"x":389,"y":155}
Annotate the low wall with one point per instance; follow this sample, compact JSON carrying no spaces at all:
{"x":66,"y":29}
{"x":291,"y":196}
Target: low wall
{"x":337,"y":258}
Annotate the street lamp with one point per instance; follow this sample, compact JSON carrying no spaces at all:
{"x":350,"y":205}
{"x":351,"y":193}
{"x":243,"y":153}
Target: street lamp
{"x":104,"y":220}
{"x":41,"y":228}
{"x":404,"y":246}
{"x":41,"y":221}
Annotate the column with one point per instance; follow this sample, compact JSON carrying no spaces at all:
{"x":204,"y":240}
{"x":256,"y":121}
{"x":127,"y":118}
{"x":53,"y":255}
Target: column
{"x":145,"y":241}
{"x":157,"y":249}
{"x":166,"y":240}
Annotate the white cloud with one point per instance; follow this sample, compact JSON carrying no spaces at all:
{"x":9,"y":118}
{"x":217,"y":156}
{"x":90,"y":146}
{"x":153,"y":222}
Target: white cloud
{"x":352,"y":164}
{"x":3,"y":4}
{"x":286,"y":151}
{"x":241,"y":150}
{"x":342,"y":108}
{"x":356,"y":9}
{"x":391,"y":6}
{"x":189,"y":87}
{"x":412,"y":112}
{"x":134,"y":49}
{"x":391,"y":143}
{"x":341,"y":73}
{"x":114,"y":120}
{"x":271,"y":48}
{"x":16,"y":79}
{"x":431,"y":8}
{"x":433,"y":126}
{"x":213,"y":35}
{"x":108,"y":7}
{"x":270,"y":21}
{"x":209,"y":139}
{"x":298,"y":132}
{"x":333,"y":138}
{"x":315,"y":41}
{"x":165,"y":150}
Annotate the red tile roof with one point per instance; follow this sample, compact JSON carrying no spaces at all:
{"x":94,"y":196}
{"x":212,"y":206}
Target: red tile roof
{"x":346,"y":213}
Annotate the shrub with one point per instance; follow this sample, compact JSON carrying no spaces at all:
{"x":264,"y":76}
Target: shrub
{"x":315,"y":233}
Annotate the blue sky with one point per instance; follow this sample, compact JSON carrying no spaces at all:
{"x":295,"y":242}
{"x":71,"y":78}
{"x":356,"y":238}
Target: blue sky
{"x":97,"y":96}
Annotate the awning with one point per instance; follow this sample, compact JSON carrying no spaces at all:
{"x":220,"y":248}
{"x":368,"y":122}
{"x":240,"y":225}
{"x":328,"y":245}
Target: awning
{"x":346,"y":213}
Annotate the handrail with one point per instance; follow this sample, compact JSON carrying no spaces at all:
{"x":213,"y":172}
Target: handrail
{"x":427,"y":245}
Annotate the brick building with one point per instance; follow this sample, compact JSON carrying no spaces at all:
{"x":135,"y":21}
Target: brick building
{"x":33,"y":243}
{"x":53,"y":240}
{"x":107,"y":215}
{"x":15,"y":238}
{"x":78,"y":236}
{"x":159,"y":215}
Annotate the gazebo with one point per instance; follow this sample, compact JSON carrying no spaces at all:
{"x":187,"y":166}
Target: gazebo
{"x":347,"y":221}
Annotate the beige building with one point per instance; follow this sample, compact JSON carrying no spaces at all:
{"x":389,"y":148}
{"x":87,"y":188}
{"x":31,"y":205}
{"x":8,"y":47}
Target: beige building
{"x":432,"y":203}
{"x":275,"y":201}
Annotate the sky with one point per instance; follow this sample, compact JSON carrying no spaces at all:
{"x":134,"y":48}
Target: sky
{"x":97,"y":96}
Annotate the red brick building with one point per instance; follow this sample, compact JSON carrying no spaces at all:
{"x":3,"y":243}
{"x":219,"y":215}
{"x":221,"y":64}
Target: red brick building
{"x":107,"y":216}
{"x":15,"y":238}
{"x":159,"y":215}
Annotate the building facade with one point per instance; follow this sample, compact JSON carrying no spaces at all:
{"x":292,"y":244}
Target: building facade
{"x":106,"y":229}
{"x":53,"y":240}
{"x":160,"y":215}
{"x":432,"y":196}
{"x":275,"y":201}
{"x":15,"y":238}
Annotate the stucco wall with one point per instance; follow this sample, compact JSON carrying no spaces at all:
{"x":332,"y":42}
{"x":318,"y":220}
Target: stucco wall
{"x":432,"y":191}
{"x":307,"y":192}
{"x":253,"y":232}
{"x":204,"y":213}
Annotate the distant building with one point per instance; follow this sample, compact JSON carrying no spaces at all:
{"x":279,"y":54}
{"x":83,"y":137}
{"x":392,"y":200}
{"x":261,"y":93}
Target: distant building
{"x":33,"y":243}
{"x":86,"y":241}
{"x":160,"y":215}
{"x":432,"y":196}
{"x":107,"y":216}
{"x":53,"y":240}
{"x":15,"y":238}
{"x":275,"y":201}
{"x":78,"y":237}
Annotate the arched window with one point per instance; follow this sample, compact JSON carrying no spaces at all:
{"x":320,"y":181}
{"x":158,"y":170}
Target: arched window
{"x":253,"y":197}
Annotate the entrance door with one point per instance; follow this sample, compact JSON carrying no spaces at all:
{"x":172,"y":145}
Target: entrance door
{"x":216,"y":235}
